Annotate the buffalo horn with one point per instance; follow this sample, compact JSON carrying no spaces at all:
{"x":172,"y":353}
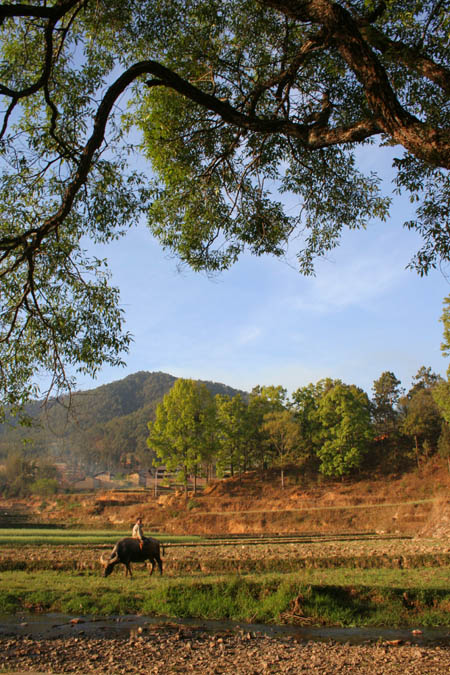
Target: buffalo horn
{"x":109,"y":560}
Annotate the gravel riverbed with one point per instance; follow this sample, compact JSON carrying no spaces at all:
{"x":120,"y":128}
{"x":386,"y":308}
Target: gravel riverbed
{"x":161,"y":650}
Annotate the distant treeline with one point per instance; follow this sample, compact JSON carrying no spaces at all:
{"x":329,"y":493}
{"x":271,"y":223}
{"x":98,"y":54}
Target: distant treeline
{"x":328,"y":428}
{"x":202,"y":428}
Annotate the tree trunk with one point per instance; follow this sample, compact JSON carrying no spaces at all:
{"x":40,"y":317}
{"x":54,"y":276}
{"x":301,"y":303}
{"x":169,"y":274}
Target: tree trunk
{"x":417,"y":451}
{"x":185,"y":483}
{"x":282,"y":479}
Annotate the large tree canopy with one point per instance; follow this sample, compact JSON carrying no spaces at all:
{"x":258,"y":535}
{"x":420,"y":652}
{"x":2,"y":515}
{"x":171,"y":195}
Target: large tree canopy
{"x":239,"y":107}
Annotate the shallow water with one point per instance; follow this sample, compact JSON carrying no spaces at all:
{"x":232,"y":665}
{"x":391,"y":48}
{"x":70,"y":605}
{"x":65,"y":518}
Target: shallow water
{"x":61,"y":625}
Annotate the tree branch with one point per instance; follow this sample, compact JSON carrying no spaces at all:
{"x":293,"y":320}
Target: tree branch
{"x":428,"y":143}
{"x":54,"y":12}
{"x":310,"y":136}
{"x":411,"y":58}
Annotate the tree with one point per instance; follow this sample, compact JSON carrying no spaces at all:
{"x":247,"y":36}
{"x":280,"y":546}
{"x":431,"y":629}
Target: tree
{"x":441,"y":390}
{"x":232,"y":432}
{"x":346,"y":429}
{"x":45,"y":487}
{"x":305,"y":404}
{"x":22,"y":476}
{"x":422,"y":421}
{"x":284,"y":436}
{"x":425,"y":378}
{"x":179,"y":434}
{"x":262,"y":400}
{"x":223,"y":99}
{"x":445,"y":318}
{"x":386,"y":395}
{"x":444,"y":444}
{"x":388,"y":441}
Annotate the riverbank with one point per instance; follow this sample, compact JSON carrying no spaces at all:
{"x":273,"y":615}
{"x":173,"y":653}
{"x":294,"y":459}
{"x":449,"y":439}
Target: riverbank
{"x":164,"y":650}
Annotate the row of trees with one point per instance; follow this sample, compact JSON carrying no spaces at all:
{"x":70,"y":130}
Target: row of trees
{"x":330,"y":428}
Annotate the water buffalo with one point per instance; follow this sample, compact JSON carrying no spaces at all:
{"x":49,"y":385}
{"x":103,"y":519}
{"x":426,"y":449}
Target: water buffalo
{"x":128,"y":550}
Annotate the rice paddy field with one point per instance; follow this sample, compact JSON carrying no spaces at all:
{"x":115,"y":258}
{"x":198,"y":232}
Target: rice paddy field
{"x":340,"y":580}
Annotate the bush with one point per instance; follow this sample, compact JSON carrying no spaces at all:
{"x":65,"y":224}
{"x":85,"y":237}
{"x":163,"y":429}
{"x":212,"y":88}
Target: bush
{"x":44,"y":487}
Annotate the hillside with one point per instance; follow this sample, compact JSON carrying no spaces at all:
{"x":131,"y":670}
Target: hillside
{"x":413,"y":504}
{"x":99,"y":428}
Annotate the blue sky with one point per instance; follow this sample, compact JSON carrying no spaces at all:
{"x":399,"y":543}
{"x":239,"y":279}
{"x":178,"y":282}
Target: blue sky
{"x":263,"y":323}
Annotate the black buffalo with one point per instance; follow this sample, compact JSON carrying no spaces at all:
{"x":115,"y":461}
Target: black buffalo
{"x":128,"y":550}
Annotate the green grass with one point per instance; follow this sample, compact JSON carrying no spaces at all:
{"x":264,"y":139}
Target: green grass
{"x":343,"y":597}
{"x":54,"y":537}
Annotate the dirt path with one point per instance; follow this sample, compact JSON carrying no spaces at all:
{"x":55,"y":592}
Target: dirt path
{"x":164,"y":649}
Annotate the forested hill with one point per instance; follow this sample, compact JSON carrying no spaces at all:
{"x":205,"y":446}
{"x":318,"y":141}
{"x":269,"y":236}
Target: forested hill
{"x":102,"y":428}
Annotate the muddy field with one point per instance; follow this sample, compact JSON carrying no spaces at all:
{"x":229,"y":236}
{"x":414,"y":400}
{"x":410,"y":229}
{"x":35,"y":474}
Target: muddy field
{"x":246,"y":555}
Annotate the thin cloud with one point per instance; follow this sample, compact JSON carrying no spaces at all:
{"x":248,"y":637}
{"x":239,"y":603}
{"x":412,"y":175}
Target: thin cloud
{"x":353,"y":284}
{"x":248,"y":334}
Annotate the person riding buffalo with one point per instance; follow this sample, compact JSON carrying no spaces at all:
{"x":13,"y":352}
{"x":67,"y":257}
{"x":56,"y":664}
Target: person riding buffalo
{"x":138,"y":532}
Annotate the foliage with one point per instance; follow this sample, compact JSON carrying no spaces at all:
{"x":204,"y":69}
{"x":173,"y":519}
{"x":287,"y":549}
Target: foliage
{"x":422,"y":416}
{"x":231,"y":420}
{"x":444,"y":444}
{"x":445,"y":318}
{"x":180,"y":433}
{"x":305,"y":403}
{"x":230,"y":104}
{"x":425,"y":378}
{"x":22,"y":476}
{"x":337,"y":431}
{"x":346,"y":429}
{"x":283,"y":436}
{"x":387,"y":392}
{"x":45,"y":487}
{"x":262,"y":401}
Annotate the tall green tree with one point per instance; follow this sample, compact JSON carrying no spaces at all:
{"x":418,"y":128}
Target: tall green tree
{"x":425,"y":378}
{"x":422,"y":418}
{"x":388,"y":446}
{"x":346,"y":429}
{"x":386,"y":395}
{"x":222,"y":99}
{"x":232,"y":432}
{"x":305,"y":404}
{"x":441,"y":390}
{"x":422,"y":422}
{"x":445,"y":318}
{"x":180,"y":433}
{"x":262,"y":400}
{"x":284,"y":437}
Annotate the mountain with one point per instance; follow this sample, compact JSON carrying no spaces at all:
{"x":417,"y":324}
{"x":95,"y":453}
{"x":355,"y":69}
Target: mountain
{"x":102,"y":428}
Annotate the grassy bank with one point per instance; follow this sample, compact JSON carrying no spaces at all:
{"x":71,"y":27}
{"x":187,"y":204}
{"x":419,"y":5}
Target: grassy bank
{"x":342,"y":597}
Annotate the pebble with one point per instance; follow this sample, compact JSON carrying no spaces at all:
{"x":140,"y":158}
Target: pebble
{"x":160,"y":653}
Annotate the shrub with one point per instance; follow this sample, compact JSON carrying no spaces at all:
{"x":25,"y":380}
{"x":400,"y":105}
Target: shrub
{"x":44,"y":487}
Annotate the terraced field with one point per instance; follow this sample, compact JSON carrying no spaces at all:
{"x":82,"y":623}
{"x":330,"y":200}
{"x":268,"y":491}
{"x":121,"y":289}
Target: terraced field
{"x":63,"y":550}
{"x":334,"y":580}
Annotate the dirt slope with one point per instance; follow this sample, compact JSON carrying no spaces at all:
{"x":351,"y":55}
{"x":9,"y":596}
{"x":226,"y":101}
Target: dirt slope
{"x":415,"y":503}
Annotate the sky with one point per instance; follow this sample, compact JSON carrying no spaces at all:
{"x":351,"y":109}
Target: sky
{"x":262,"y":323}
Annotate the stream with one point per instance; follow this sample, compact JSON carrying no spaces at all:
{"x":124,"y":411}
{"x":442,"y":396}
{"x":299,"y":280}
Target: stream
{"x":61,"y":626}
